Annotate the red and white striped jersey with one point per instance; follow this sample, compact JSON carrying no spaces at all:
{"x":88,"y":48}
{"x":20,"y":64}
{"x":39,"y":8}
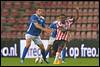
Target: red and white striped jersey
{"x":63,"y":35}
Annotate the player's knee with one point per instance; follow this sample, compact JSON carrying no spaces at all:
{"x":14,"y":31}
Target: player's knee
{"x":59,"y":49}
{"x":28,"y":45}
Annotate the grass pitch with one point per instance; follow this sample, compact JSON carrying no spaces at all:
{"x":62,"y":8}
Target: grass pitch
{"x":15,"y":61}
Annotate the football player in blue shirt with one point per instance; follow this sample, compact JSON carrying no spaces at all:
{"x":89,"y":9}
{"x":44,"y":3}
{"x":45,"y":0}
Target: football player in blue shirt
{"x":52,"y":37}
{"x":36,"y":25}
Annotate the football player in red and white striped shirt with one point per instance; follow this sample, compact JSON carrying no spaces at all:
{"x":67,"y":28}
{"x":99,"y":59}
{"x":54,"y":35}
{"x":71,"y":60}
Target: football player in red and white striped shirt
{"x":62,"y":27}
{"x":62,"y":33}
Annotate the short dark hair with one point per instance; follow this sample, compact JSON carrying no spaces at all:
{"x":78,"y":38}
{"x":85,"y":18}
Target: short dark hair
{"x":62,"y":15}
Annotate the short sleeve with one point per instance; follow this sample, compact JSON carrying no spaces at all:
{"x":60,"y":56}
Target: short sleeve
{"x":34,"y":18}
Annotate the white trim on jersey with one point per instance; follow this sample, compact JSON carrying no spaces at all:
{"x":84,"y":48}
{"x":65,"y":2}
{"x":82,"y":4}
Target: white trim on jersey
{"x":29,"y":27}
{"x":40,"y":16}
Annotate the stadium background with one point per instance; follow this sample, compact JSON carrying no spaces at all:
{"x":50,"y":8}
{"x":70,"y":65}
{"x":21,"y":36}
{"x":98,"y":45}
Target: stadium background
{"x":15,"y":14}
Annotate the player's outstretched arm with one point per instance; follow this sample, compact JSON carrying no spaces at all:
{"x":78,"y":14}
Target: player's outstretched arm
{"x":41,"y":28}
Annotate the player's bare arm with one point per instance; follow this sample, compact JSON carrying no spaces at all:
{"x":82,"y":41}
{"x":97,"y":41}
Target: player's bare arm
{"x":41,"y":28}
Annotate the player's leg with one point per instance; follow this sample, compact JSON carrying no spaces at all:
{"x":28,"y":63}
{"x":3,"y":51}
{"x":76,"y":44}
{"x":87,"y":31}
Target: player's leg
{"x":50,"y":43}
{"x":63,"y":54}
{"x":28,"y":43}
{"x":55,"y":47}
{"x":58,"y":53}
{"x":48,"y":52}
{"x":38,"y":41}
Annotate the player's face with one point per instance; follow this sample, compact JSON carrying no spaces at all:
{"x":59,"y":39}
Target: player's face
{"x":63,"y":19}
{"x":40,"y":12}
{"x":58,"y":18}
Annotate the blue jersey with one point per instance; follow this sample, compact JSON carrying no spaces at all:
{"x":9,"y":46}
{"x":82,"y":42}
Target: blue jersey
{"x":54,"y":28}
{"x":31,"y":27}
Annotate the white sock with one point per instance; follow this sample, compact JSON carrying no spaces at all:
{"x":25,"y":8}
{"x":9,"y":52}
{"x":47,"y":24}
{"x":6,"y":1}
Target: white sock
{"x":57,"y":56}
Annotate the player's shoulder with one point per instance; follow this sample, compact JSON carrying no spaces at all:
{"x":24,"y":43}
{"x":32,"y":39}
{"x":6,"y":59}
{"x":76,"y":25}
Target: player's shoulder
{"x":34,"y":15}
{"x":42,"y":17}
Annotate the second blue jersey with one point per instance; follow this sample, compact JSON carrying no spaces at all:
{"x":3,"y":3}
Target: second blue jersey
{"x":53,"y":26}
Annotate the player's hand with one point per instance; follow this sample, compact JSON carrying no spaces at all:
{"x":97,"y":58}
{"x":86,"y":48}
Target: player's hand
{"x":48,"y":30}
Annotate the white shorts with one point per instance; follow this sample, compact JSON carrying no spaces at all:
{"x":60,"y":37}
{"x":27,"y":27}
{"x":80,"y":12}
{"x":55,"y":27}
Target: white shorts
{"x":51,"y":40}
{"x":36,"y":39}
